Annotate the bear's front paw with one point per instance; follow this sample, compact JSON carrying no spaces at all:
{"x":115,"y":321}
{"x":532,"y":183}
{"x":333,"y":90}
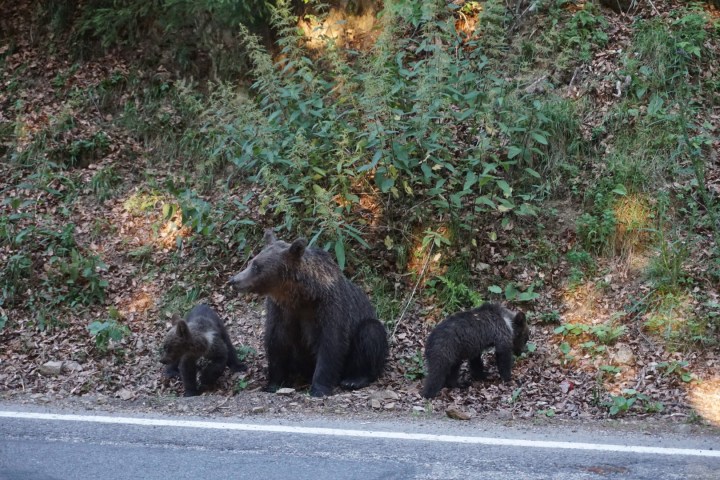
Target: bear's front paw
{"x":354,"y":383}
{"x":171,"y":372}
{"x":320,"y":391}
{"x":191,"y":393}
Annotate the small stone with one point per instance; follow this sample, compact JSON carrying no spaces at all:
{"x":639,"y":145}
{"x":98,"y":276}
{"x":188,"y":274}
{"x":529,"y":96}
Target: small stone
{"x":418,"y":408}
{"x":125,"y":394}
{"x":384,"y":395}
{"x":375,"y":403}
{"x":71,"y":367}
{"x":51,"y":368}
{"x":285,"y":391}
{"x":390,"y":406}
{"x":258,"y":410}
{"x":566,"y":386}
{"x":391,"y":395}
{"x":623,"y":354}
{"x":456,"y":414}
{"x":504,"y":414}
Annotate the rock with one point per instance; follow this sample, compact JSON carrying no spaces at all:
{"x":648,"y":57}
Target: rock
{"x":51,"y":368}
{"x":623,"y":354}
{"x":375,"y":403}
{"x":418,"y":408}
{"x":124,"y":394}
{"x":504,"y":414}
{"x":258,"y":410}
{"x":390,"y":406}
{"x":71,"y":367}
{"x":456,"y":414}
{"x":285,"y":391}
{"x":384,"y":395}
{"x":391,"y":395}
{"x":566,"y":386}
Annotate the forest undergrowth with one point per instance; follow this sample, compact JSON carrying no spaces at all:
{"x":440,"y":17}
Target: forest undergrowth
{"x":560,"y":157}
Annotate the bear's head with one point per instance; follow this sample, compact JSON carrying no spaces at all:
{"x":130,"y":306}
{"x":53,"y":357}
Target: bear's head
{"x":269,"y":271}
{"x":177,"y":341}
{"x":521,"y":333}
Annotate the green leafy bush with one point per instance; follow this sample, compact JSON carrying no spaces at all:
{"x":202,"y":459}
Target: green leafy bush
{"x":318,"y":134}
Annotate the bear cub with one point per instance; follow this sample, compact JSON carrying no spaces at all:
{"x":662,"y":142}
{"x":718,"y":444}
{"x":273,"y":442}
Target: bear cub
{"x":320,"y":328}
{"x":201,"y":335}
{"x":464,"y":336}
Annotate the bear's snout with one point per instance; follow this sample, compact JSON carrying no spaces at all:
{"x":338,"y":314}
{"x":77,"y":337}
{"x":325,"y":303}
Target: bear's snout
{"x":240,"y":281}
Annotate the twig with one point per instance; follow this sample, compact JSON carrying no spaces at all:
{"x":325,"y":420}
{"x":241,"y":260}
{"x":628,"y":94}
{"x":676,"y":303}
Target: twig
{"x":572,"y":80}
{"x":640,"y":384}
{"x":518,"y":16}
{"x":412,"y":294}
{"x":655,"y":10}
{"x":217,"y":407}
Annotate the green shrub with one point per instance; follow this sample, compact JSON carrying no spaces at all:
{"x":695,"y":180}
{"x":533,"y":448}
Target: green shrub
{"x":108,"y":330}
{"x":414,"y":366}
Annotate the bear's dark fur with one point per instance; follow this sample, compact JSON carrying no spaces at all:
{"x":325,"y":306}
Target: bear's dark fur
{"x":201,"y":335}
{"x":319,"y":326}
{"x":464,"y":336}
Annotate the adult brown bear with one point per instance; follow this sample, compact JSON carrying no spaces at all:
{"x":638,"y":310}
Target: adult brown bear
{"x":319,"y":326}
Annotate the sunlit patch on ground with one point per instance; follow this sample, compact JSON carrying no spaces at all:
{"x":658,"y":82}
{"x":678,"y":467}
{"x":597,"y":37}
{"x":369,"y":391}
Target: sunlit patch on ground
{"x":425,"y":259}
{"x":170,"y":231}
{"x":584,"y":305}
{"x":712,"y":10}
{"x":633,"y":228}
{"x":705,"y":399}
{"x":637,"y":262}
{"x":574,"y":7}
{"x":467,"y":19}
{"x":670,"y":315}
{"x":141,"y":222}
{"x":342,"y":29}
{"x":138,"y":303}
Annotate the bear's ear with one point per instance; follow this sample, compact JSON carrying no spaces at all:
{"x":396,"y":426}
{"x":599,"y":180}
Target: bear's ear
{"x":519,"y":322}
{"x":182,"y":329}
{"x":175,"y":319}
{"x":298,"y":247}
{"x":269,"y":237}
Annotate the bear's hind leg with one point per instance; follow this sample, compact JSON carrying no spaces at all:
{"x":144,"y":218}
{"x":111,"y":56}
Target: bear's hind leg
{"x":453,"y":377}
{"x":440,"y":373}
{"x":366,"y":359}
{"x":477,"y":369}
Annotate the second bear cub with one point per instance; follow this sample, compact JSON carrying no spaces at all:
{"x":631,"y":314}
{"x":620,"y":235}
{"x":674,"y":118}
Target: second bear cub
{"x":464,"y":336}
{"x":201,"y":335}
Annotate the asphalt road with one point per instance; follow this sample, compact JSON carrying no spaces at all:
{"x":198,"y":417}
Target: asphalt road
{"x":43,"y":446}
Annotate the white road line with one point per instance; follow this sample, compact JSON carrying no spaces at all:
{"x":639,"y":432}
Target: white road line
{"x":249,"y":427}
